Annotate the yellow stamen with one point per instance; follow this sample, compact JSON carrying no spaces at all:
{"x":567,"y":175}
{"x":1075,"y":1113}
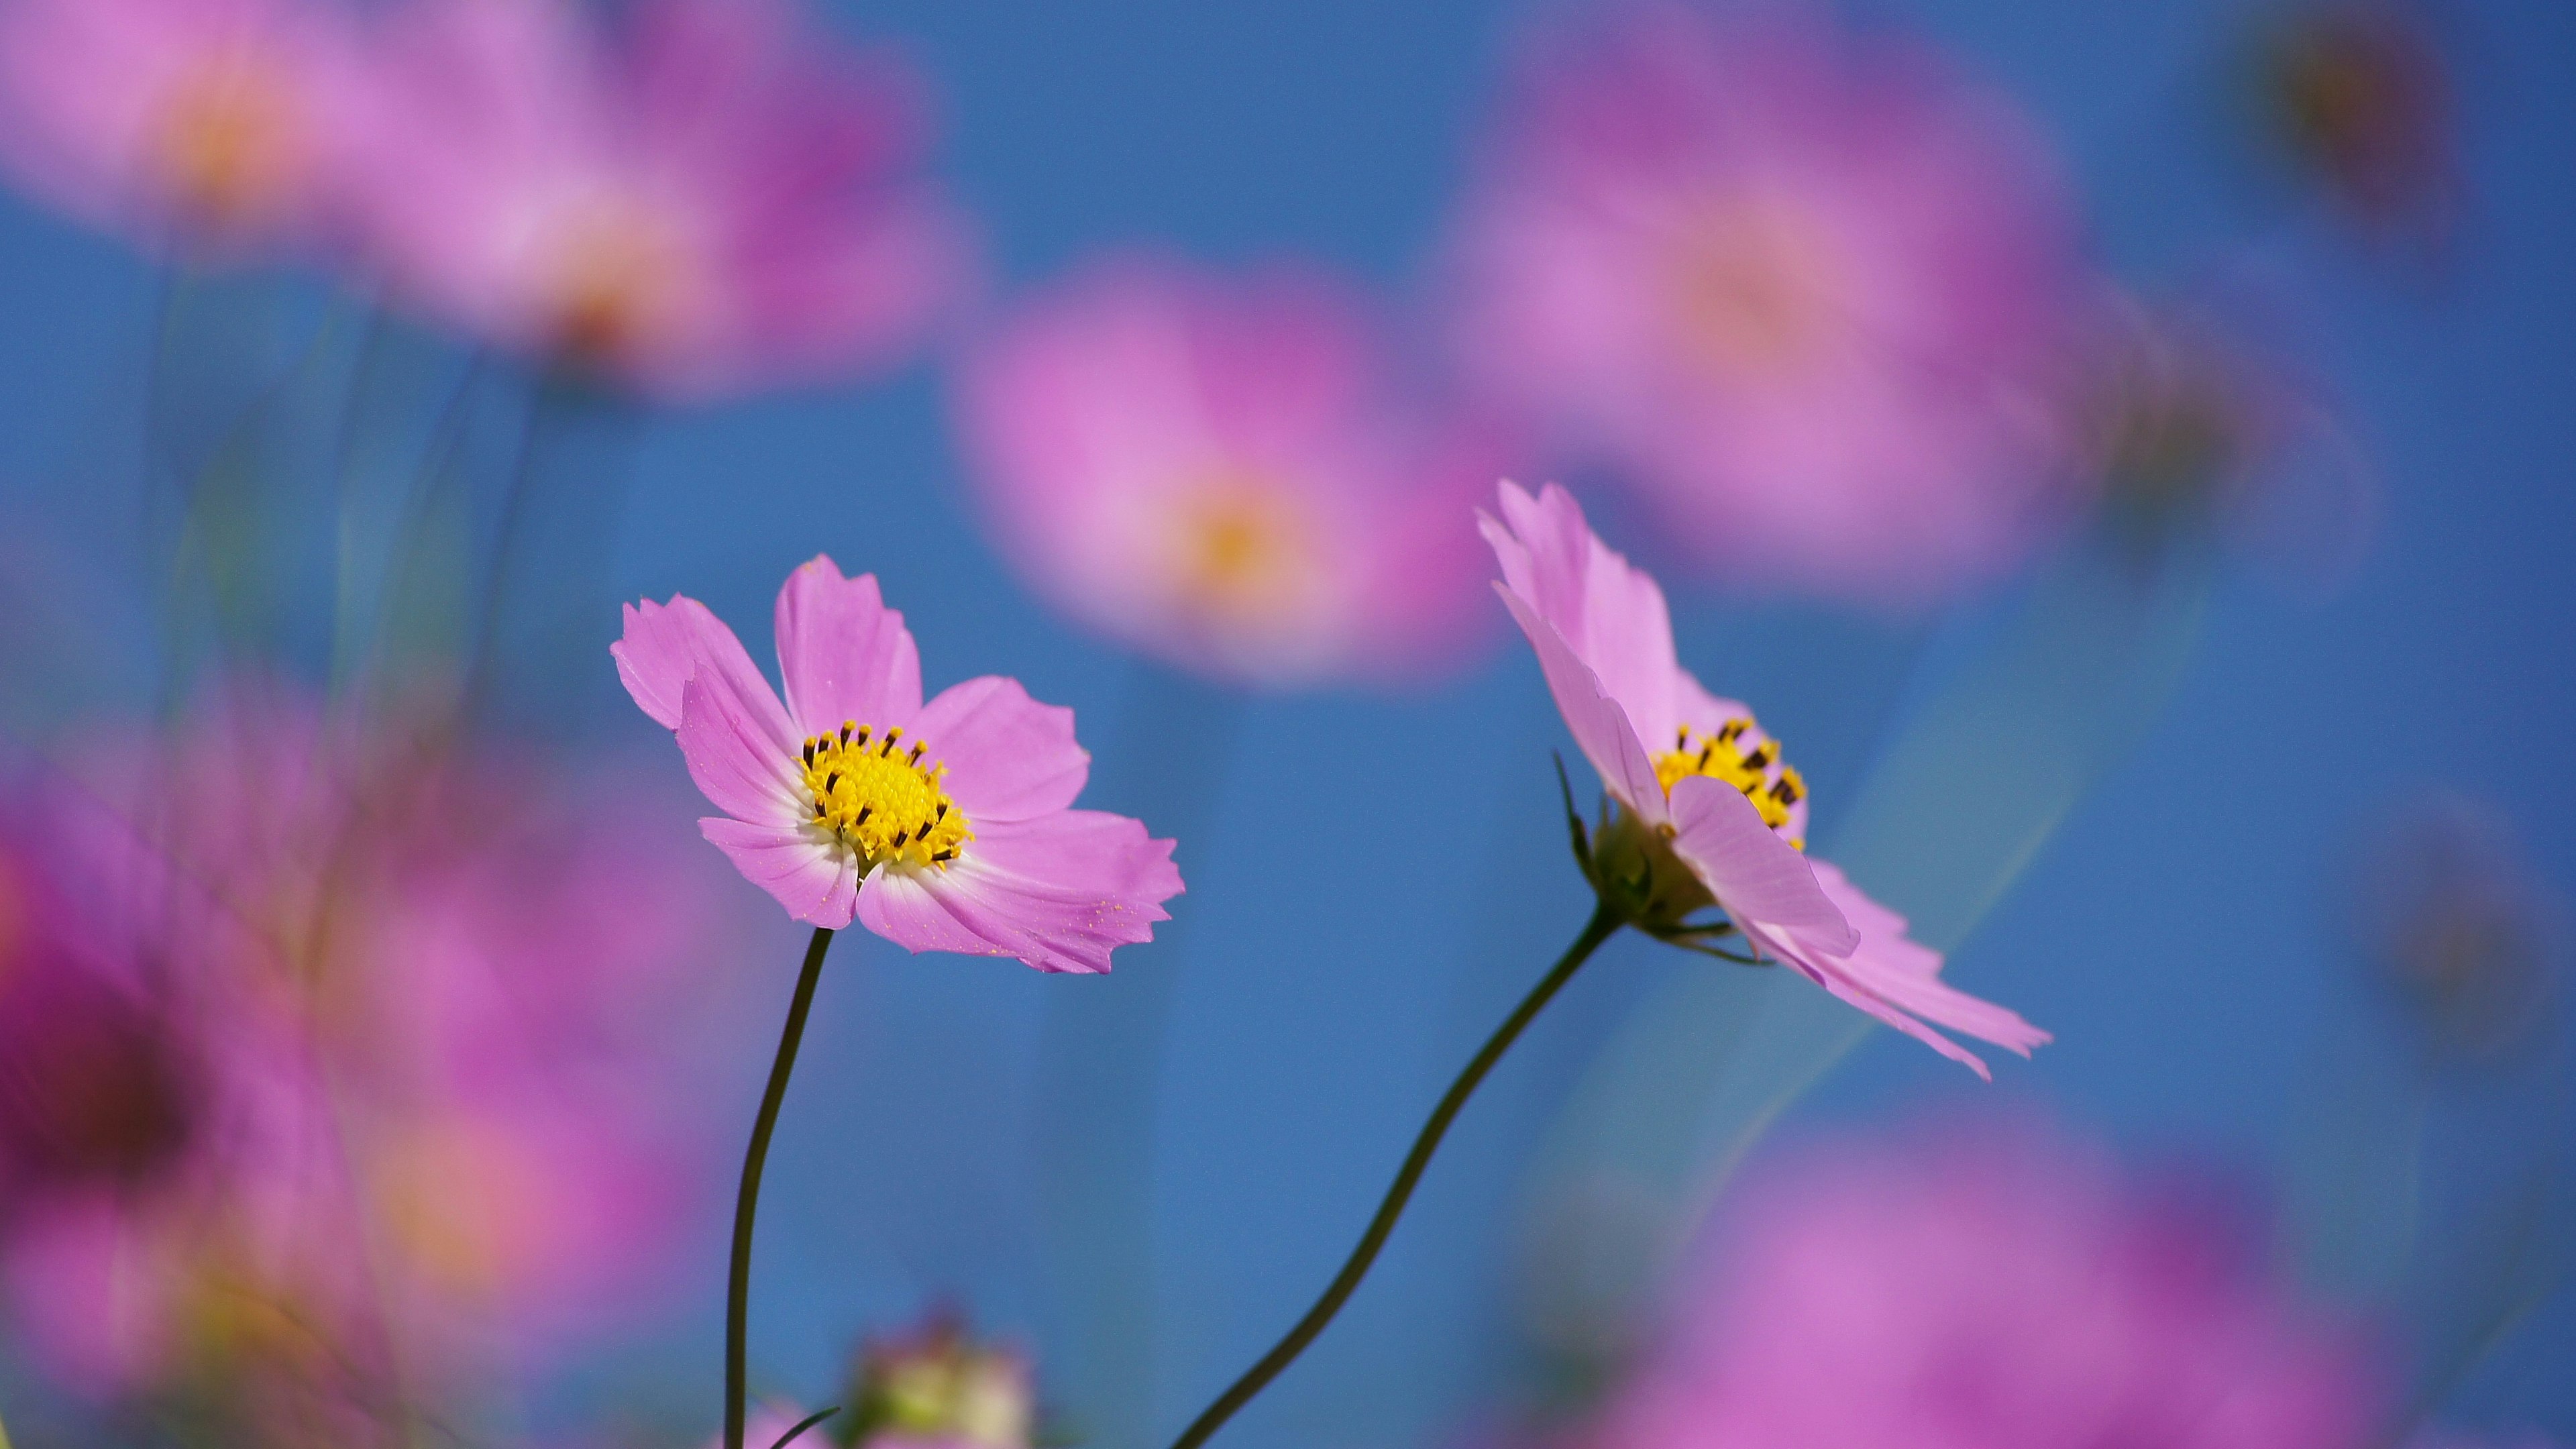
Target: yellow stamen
{"x":880,"y":799}
{"x":1772,"y":786}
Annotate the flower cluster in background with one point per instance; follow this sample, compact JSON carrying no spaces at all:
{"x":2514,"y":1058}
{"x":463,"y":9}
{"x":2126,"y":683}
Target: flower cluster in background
{"x":377,"y":1031}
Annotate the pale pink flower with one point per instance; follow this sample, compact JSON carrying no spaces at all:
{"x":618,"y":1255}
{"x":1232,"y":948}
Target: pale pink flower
{"x":211,"y":124}
{"x":938,"y":1387}
{"x":944,"y":826}
{"x":1987,"y":1289}
{"x":1223,"y":472}
{"x":719,"y":198}
{"x":1807,"y":289}
{"x":1712,"y":812}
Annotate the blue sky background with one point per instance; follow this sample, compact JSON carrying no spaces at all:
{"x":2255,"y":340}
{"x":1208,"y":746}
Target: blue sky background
{"x":1373,"y":880}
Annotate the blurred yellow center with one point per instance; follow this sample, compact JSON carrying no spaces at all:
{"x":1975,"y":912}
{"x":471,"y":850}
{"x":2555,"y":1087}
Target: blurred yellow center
{"x":615,"y":266}
{"x":1238,"y":550}
{"x":1753,"y":288}
{"x":226,"y":140}
{"x":880,"y":800}
{"x":1720,"y":756}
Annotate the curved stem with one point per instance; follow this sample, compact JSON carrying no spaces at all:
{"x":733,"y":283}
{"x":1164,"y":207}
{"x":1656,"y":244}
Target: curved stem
{"x":738,"y":1284}
{"x":1605,"y":923}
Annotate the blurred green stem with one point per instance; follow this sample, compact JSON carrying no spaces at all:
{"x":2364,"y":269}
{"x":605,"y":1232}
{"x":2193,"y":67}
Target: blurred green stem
{"x":1604,"y":924}
{"x":738,"y":1283}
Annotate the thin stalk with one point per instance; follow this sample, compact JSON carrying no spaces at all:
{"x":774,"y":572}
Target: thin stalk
{"x":1604,"y":924}
{"x":738,"y":1284}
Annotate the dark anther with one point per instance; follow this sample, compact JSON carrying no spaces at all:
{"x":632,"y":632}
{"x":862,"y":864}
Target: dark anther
{"x":845,"y":731}
{"x":809,"y":754}
{"x":941,"y":814}
{"x":831,"y":780}
{"x":901,"y":836}
{"x":915,"y":756}
{"x":944,"y":855}
{"x":862,"y":817}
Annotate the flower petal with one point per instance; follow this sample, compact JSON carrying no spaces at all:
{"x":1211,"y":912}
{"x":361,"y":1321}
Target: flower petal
{"x":1896,"y":980}
{"x":812,"y":877}
{"x":1600,"y":727}
{"x":740,"y":768}
{"x":843,"y":654}
{"x":1754,"y":874}
{"x":1059,"y":892}
{"x":1008,"y":756}
{"x":667,"y":644}
{"x":1610,"y":613}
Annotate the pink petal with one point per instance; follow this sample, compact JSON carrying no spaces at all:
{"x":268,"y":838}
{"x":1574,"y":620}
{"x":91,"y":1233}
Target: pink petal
{"x":844,"y":654}
{"x":1610,"y":613}
{"x":745,"y":773}
{"x":1600,"y":727}
{"x":1894,"y":979}
{"x":666,"y":644}
{"x":1008,"y":757}
{"x":1059,"y":892}
{"x":812,"y":877}
{"x":1755,"y":875}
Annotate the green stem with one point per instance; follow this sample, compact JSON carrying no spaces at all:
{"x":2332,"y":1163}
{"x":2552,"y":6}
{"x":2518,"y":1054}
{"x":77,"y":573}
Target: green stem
{"x":738,"y":1285}
{"x":1605,"y":923}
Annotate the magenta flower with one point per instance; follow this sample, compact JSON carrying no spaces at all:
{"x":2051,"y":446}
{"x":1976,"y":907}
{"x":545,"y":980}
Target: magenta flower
{"x":1213,"y":471}
{"x":724,"y":200}
{"x":1986,"y":1290}
{"x":1808,"y":290}
{"x":943,"y":826}
{"x":1711,"y":812}
{"x":209,"y":122}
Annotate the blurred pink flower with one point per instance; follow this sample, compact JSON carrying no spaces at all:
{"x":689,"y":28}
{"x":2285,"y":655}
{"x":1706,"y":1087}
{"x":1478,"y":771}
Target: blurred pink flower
{"x":937,"y":1387}
{"x":829,"y":811}
{"x":1711,"y":812}
{"x":209,"y":124}
{"x":1213,"y":470}
{"x":419,"y":1019}
{"x":1809,"y":290}
{"x":721,"y":198}
{"x":1985,"y":1289}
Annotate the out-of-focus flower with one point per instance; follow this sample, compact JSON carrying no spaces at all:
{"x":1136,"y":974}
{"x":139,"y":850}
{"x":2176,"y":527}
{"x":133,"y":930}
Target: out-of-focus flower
{"x":1808,"y":289}
{"x":2196,"y":435}
{"x":963,"y":839}
{"x":2454,"y":924}
{"x":1985,"y":1289}
{"x":1221,"y":473}
{"x":1710,"y":812}
{"x":2358,"y":93}
{"x":937,"y":1388}
{"x":721,"y":198}
{"x":406,"y":1097}
{"x":208,"y":124}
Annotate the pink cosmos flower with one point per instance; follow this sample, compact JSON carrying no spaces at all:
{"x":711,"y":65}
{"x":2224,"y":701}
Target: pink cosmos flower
{"x":726,"y":199}
{"x":1213,"y":470}
{"x":364,"y":1055}
{"x":943,"y":826}
{"x":1808,"y":290}
{"x":214,"y":120}
{"x":1986,"y":1289}
{"x":1712,"y":813}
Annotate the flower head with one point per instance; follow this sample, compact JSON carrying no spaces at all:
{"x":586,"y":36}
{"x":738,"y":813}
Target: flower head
{"x":1213,"y":470}
{"x":1806,"y":289}
{"x":723,"y":200}
{"x":938,"y":1386}
{"x":1710,"y":811}
{"x":209,"y":123}
{"x":943,"y":826}
{"x":1994,"y":1288}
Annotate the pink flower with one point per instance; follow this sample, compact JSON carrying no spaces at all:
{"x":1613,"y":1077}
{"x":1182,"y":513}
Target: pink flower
{"x":1986,"y":1290}
{"x":725,"y":200}
{"x":1808,"y":290}
{"x":1213,"y":470}
{"x":1712,"y":814}
{"x":216,"y":120}
{"x":962,"y":839}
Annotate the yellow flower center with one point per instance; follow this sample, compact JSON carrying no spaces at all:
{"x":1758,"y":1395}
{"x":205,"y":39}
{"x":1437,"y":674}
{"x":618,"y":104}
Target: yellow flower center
{"x":1754,"y":289}
{"x":1772,"y":786}
{"x":1238,"y":551}
{"x":880,"y":800}
{"x":227,"y":140}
